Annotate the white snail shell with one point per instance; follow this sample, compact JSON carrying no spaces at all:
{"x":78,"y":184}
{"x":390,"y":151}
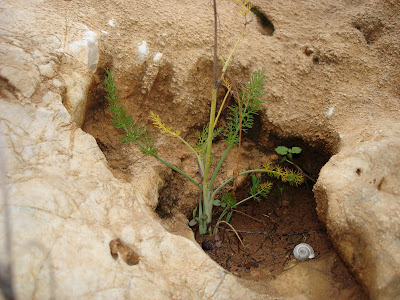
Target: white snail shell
{"x":303,"y":251}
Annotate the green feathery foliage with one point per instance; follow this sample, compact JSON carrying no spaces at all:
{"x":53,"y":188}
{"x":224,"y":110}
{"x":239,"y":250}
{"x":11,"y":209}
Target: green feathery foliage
{"x":202,"y":138}
{"x":259,"y":190}
{"x":121,"y":120}
{"x":284,"y":174}
{"x":251,"y":98}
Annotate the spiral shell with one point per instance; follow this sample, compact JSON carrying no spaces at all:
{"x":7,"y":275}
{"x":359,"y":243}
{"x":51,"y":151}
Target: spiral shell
{"x":303,"y":251}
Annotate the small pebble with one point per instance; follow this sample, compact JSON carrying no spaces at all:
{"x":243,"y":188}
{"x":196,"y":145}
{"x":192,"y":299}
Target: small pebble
{"x":206,"y":245}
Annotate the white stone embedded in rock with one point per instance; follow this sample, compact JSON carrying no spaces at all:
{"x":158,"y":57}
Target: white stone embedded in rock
{"x":157,"y":57}
{"x":86,"y":49}
{"x":77,"y":90}
{"x":143,"y":51}
{"x":329,"y":112}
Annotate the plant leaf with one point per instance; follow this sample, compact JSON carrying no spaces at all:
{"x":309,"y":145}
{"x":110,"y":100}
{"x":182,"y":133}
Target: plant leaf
{"x":192,"y":222}
{"x":282,"y":160}
{"x":228,"y":217}
{"x":121,"y":120}
{"x":242,"y":118}
{"x":217,"y":203}
{"x":229,"y":199}
{"x":194,"y":212}
{"x":282,"y":150}
{"x":203,"y":136}
{"x":295,"y":150}
{"x":203,"y":217}
{"x":255,"y":180}
{"x":291,"y":177}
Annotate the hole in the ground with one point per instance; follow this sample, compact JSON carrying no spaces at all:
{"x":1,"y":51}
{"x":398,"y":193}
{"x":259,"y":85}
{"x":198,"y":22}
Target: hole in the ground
{"x":315,"y":60}
{"x":121,"y":249}
{"x":122,"y":158}
{"x":170,"y":196}
{"x":380,"y":184}
{"x":371,"y":28}
{"x":6,"y":87}
{"x":269,"y":229}
{"x":254,"y":133}
{"x":311,"y":159}
{"x":266,"y":26}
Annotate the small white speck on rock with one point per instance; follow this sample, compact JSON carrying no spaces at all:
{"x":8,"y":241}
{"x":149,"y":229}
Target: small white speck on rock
{"x":143,"y":50}
{"x":157,"y":57}
{"x":329,"y":112}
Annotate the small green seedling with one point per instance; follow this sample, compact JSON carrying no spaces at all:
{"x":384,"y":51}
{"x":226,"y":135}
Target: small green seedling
{"x":287,"y":152}
{"x":281,"y":189}
{"x":288,"y":157}
{"x":258,"y":191}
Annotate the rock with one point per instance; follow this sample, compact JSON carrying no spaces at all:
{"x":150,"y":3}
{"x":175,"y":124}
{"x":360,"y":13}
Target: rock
{"x":20,"y":71}
{"x":77,"y":93}
{"x":333,"y":81}
{"x":82,"y":51}
{"x":357,"y":195}
{"x":312,"y":280}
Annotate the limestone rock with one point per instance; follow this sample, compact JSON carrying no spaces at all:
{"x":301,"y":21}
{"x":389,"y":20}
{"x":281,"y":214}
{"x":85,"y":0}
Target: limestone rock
{"x":358,"y":198}
{"x":20,"y":70}
{"x":333,"y":80}
{"x":65,"y":205}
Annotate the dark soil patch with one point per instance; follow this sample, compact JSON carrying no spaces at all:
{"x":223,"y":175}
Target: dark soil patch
{"x":269,"y":230}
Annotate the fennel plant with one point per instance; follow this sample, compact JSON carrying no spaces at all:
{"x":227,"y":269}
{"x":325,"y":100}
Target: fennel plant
{"x":248,"y":102}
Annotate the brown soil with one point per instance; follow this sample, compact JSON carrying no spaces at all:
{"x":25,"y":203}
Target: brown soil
{"x":269,"y":231}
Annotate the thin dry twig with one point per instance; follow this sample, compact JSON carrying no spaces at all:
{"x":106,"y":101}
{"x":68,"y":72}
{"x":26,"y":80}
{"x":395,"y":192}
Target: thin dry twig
{"x":233,"y":230}
{"x":269,"y":217}
{"x":244,"y":214}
